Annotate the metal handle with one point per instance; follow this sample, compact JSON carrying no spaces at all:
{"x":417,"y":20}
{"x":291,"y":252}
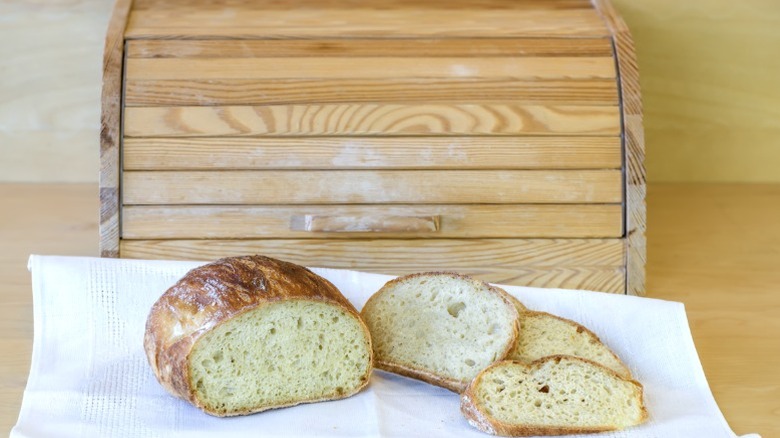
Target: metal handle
{"x":364,"y":224}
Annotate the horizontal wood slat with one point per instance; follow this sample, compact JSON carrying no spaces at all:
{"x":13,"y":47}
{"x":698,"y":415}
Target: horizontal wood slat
{"x":257,"y":22}
{"x":602,"y":279}
{"x":372,"y":187}
{"x":409,"y":254}
{"x":376,"y":67}
{"x":480,"y":47}
{"x":193,"y":222}
{"x":212,"y":5}
{"x":372,"y":153}
{"x":286,"y":91}
{"x":372,"y":119}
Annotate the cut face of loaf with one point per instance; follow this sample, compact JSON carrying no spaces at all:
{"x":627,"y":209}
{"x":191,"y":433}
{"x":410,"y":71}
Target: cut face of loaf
{"x":442,"y":328}
{"x":247,"y":334}
{"x":555,"y":395}
{"x":543,"y":334}
{"x":274,"y":355}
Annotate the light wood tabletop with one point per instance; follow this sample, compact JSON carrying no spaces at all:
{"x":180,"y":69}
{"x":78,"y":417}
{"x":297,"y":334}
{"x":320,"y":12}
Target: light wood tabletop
{"x":714,"y":247}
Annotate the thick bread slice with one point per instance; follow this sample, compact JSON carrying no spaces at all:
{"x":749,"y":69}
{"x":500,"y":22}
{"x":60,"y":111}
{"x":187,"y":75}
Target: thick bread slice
{"x":556,"y":395}
{"x":543,"y":334}
{"x":440,"y":327}
{"x":246,"y":334}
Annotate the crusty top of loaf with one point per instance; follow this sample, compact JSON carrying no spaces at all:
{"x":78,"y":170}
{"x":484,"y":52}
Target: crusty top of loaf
{"x":215,"y":292}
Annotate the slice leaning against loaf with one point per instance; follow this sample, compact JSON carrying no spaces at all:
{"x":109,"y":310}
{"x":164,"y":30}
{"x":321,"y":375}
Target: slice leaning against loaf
{"x":440,"y":327}
{"x":556,"y":395}
{"x":246,"y":334}
{"x":543,"y":334}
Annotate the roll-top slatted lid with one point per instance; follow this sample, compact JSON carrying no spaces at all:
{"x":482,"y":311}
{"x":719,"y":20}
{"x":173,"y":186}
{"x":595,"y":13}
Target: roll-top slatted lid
{"x":490,"y":129}
{"x":363,"y":18}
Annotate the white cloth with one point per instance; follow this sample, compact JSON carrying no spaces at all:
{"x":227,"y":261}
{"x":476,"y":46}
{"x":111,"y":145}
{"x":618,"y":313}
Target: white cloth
{"x":89,"y":376}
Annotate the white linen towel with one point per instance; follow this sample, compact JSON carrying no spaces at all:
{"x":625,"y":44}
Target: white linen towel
{"x":89,"y":376}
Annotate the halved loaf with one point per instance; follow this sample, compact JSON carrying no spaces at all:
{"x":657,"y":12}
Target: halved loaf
{"x":543,"y":334}
{"x":556,"y":395}
{"x":246,"y":334}
{"x":439,"y":327}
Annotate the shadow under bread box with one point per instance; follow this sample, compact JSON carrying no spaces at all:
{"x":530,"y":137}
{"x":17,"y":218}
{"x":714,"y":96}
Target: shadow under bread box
{"x":498,"y":138}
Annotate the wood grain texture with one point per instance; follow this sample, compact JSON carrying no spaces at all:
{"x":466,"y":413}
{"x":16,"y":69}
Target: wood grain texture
{"x":383,"y":254}
{"x":212,"y":5}
{"x":420,"y":47}
{"x":372,"y":153}
{"x":373,"y":187}
{"x":454,"y":221}
{"x":110,"y":130}
{"x":634,"y":146}
{"x":603,"y":279}
{"x":370,"y":67}
{"x":706,"y":120}
{"x":397,"y":90}
{"x":371,"y":119}
{"x":254,"y":21}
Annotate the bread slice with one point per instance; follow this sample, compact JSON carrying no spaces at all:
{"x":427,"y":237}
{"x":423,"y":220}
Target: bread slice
{"x":518,"y":305}
{"x":440,"y":327}
{"x":555,"y":395}
{"x":543,"y":334}
{"x":246,"y":334}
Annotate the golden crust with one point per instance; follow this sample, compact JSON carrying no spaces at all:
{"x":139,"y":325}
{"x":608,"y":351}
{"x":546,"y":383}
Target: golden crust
{"x":423,"y":375}
{"x":216,"y":292}
{"x":428,"y":376}
{"x":485,"y":423}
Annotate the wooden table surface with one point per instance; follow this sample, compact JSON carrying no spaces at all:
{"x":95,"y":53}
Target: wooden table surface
{"x":714,"y":247}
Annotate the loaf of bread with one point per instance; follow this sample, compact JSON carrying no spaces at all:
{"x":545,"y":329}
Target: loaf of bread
{"x":246,"y":334}
{"x":442,"y":328}
{"x":543,"y":334}
{"x":556,"y":395}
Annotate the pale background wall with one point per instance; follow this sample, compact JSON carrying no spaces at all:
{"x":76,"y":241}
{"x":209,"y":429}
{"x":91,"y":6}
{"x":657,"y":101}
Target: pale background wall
{"x":710,"y":74}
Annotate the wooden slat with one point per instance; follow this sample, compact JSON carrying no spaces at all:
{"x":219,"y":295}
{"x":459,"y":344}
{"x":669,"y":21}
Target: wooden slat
{"x":372,"y":153}
{"x":606,"y":279}
{"x":287,"y":91}
{"x":406,"y":254}
{"x":426,"y":47}
{"x":473,"y":221}
{"x":212,"y":5}
{"x":339,"y":22}
{"x":110,"y":130}
{"x":634,"y":145}
{"x":371,"y":67}
{"x":372,"y":119}
{"x":516,"y":262}
{"x":372,"y":187}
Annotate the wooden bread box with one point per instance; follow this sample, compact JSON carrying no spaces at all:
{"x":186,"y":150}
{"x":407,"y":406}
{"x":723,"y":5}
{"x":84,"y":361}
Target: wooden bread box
{"x":499,"y":138}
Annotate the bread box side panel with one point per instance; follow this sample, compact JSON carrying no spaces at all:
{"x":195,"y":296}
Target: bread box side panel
{"x":111,"y":130}
{"x":633,"y":147}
